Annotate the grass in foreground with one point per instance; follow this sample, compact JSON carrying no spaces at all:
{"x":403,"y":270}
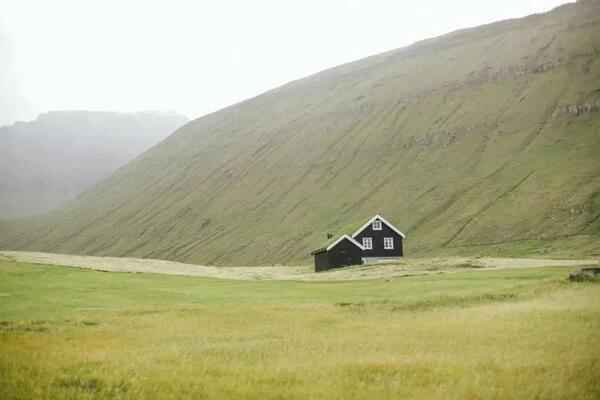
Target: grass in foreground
{"x":67,"y":333}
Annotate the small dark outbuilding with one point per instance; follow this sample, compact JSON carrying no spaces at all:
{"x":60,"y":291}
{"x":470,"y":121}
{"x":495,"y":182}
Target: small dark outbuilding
{"x":343,"y":252}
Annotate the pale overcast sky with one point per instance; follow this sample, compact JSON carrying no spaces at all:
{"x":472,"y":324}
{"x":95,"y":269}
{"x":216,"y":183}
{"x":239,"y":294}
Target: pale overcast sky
{"x":195,"y":57}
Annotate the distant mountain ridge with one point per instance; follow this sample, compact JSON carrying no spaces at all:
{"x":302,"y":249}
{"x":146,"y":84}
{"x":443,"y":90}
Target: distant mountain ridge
{"x":48,"y":161}
{"x":482,"y":141}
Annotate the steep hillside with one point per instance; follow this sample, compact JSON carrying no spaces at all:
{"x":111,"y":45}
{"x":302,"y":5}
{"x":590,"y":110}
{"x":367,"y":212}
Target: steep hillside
{"x":481,"y":141}
{"x":46,"y":162}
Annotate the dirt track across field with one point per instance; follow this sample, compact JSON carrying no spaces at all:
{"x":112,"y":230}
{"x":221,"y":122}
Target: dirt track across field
{"x":406,"y":267}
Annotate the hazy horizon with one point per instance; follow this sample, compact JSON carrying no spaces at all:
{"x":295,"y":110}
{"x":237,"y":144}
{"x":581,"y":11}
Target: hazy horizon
{"x":193,"y":58}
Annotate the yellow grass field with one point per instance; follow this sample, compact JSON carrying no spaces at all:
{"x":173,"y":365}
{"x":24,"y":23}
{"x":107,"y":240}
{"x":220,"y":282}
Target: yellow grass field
{"x":70,"y":333}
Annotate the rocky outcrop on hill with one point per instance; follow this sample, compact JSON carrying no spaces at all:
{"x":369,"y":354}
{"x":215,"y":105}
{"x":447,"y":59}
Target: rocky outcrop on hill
{"x":585,"y":274}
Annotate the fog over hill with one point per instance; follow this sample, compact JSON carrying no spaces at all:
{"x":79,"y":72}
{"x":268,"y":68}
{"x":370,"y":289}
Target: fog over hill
{"x":485,"y":140}
{"x":48,"y":161}
{"x":12,"y":105}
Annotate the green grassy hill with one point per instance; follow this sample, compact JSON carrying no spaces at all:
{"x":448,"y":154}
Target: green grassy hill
{"x":483,"y":141}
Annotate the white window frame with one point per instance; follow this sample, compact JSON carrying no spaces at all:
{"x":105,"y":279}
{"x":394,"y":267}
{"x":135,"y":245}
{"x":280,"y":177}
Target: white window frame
{"x":377,"y":225}
{"x":367,"y":243}
{"x":388,"y":243}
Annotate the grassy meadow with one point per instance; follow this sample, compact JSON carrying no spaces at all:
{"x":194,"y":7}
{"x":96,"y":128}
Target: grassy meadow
{"x":69,"y":333}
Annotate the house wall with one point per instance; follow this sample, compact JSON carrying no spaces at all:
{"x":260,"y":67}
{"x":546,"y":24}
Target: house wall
{"x":378,"y":250}
{"x":343,"y":254}
{"x":322,"y":262}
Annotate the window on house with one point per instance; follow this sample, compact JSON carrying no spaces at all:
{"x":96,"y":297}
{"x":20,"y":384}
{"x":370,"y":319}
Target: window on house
{"x":388,"y":243}
{"x":368,"y":243}
{"x":377,"y":225}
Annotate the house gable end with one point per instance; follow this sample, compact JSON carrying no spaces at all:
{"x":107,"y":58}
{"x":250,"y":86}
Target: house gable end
{"x":383,"y":221}
{"x":342,"y":238}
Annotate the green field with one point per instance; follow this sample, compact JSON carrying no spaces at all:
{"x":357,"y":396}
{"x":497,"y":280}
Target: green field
{"x":69,"y":333}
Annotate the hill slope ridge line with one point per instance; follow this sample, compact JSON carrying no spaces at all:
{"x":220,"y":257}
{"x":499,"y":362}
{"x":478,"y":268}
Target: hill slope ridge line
{"x":437,"y":137}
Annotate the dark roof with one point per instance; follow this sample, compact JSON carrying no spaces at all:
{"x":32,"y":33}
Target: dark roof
{"x":333,"y":242}
{"x":318,"y":251}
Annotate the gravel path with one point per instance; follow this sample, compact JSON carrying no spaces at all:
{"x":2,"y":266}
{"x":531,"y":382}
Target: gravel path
{"x":406,"y":267}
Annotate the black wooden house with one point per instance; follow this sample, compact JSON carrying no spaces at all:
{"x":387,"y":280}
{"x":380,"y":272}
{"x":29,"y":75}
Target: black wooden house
{"x":377,"y":240}
{"x":343,"y":252}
